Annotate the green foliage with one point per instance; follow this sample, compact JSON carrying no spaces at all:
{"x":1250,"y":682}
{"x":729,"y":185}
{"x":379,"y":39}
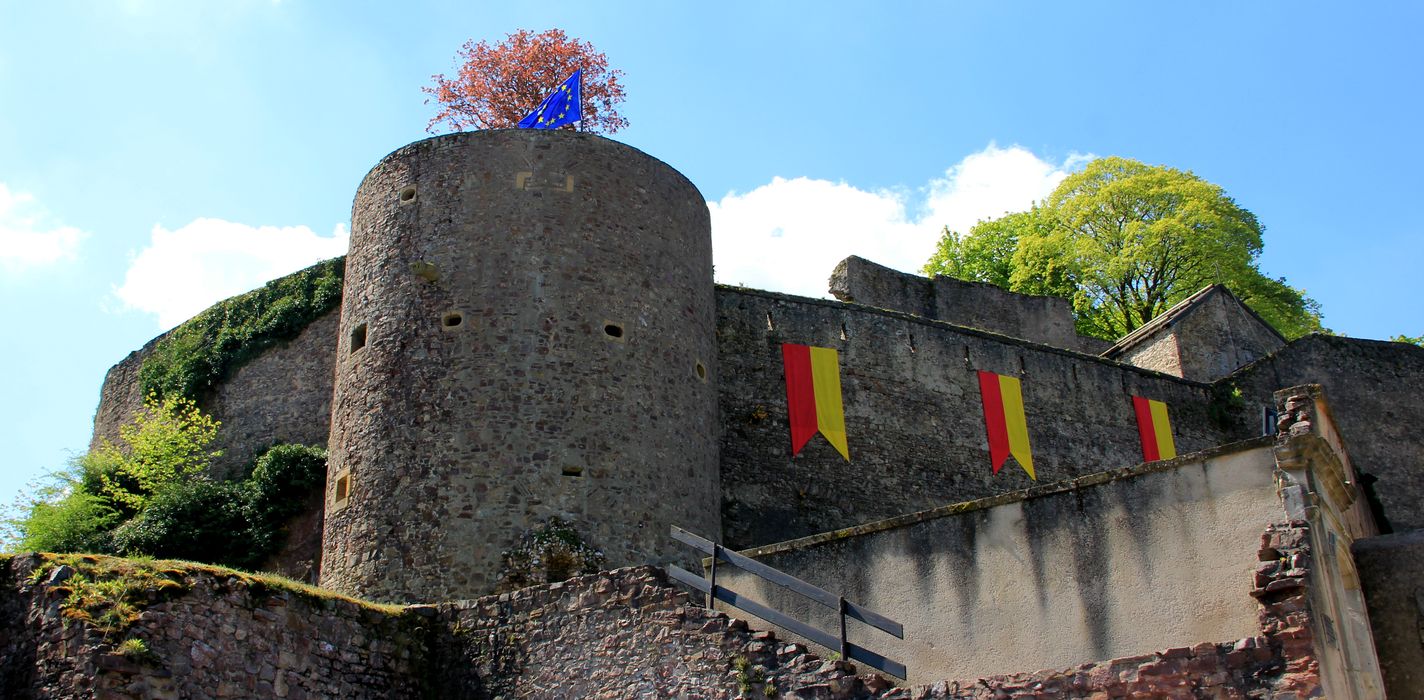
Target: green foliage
{"x":61,"y":516}
{"x":1412,"y":340}
{"x":148,"y":496}
{"x":109,"y":594}
{"x":207,"y":348}
{"x":166,"y":444}
{"x":137,"y":650}
{"x":1125,"y":241}
{"x":198,"y":519}
{"x":277,"y":490}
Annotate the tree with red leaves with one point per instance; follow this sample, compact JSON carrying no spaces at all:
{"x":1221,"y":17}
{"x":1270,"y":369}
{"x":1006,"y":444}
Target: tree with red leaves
{"x":498,"y":85}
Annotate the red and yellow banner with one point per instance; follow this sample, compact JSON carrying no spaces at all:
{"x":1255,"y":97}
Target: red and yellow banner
{"x":1004,"y":421}
{"x":1154,"y":428}
{"x":813,"y":396}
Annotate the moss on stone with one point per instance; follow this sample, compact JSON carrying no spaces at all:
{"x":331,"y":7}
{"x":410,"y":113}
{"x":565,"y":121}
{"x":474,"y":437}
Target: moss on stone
{"x":207,"y":348}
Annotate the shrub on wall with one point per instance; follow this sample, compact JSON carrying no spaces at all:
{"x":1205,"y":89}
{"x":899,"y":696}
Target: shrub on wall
{"x":199,"y":520}
{"x":208,"y":347}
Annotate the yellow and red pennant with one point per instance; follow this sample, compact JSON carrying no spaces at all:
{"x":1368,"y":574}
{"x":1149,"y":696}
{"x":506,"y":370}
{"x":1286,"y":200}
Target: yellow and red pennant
{"x":1004,"y":421}
{"x":1154,"y":428}
{"x":813,"y":396}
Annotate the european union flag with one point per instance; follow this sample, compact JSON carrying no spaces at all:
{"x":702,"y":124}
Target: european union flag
{"x":558,"y":109}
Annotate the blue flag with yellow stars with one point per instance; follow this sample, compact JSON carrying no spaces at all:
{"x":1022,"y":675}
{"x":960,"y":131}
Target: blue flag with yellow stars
{"x":558,"y":109}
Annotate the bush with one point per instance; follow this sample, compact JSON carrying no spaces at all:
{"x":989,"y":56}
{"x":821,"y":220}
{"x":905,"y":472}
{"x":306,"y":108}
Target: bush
{"x":199,"y":520}
{"x":63,"y":517}
{"x":208,"y":347}
{"x":282,"y":478}
{"x":167,"y":443}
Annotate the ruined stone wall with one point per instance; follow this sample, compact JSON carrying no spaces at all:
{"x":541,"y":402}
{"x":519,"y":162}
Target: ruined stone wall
{"x":282,"y":395}
{"x":217,"y":636}
{"x":1373,"y":388}
{"x":913,"y":414}
{"x":1041,"y":319}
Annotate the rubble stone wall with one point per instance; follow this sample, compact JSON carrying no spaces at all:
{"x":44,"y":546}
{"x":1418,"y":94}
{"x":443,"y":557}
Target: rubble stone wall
{"x":1373,"y":388}
{"x":914,"y":416}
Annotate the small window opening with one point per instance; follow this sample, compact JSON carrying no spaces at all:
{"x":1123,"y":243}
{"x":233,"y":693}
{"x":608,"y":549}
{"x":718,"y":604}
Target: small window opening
{"x":613,"y":330}
{"x":342,"y":495}
{"x":358,"y":338}
{"x":701,"y":370}
{"x":844,"y":336}
{"x":407,"y":195}
{"x":769,"y":325}
{"x":572,"y":470}
{"x":452,"y":319}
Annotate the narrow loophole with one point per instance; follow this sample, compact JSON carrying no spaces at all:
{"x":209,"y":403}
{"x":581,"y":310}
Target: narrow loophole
{"x":358,"y":338}
{"x":407,"y":195}
{"x":571,"y":470}
{"x":613,"y":330}
{"x":452,"y":319}
{"x":701,"y":370}
{"x":844,"y":335}
{"x":769,"y":325}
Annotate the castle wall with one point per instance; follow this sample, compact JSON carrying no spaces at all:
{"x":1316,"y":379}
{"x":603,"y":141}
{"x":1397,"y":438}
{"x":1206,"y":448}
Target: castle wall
{"x":913,"y":415}
{"x":527,"y":332}
{"x":1374,"y":387}
{"x":120,"y":398}
{"x":1041,"y":319}
{"x":1110,"y":566}
{"x":282,"y":395}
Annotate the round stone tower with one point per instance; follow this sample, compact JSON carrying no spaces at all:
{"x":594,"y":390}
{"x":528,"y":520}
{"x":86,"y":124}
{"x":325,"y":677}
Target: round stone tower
{"x":527,"y":332}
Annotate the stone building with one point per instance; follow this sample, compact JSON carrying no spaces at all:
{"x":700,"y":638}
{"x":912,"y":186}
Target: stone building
{"x":530,"y":330}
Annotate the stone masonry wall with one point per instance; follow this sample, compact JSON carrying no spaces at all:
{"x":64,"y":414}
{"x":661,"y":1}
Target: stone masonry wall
{"x":913,"y":414}
{"x":1374,"y":389}
{"x":1159,"y":353}
{"x":282,"y":395}
{"x":618,"y":634}
{"x":1041,"y":319}
{"x":217,"y":636}
{"x":120,"y":398}
{"x":1221,"y":337}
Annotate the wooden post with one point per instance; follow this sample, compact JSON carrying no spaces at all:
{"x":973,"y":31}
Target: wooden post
{"x":712,"y":578}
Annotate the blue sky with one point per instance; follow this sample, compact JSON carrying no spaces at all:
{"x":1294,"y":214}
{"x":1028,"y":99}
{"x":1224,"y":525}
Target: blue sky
{"x":157,"y":156}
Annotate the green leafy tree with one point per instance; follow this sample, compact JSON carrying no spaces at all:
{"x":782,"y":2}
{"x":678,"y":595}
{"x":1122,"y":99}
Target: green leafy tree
{"x":1125,"y":241}
{"x":1412,"y":340}
{"x":168,"y":442}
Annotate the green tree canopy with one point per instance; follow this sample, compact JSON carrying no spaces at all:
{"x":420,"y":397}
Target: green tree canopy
{"x":1125,"y":241}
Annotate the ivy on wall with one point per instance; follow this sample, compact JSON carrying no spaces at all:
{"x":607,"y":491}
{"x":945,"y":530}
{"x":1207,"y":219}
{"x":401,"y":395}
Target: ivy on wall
{"x":207,"y":348}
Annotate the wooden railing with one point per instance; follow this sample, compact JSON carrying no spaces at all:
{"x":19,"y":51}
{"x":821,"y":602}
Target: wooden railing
{"x":845,"y":609}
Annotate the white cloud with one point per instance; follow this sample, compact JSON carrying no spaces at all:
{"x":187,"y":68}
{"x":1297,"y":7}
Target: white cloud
{"x":787,"y":235}
{"x":28,"y":237}
{"x":182,"y":272}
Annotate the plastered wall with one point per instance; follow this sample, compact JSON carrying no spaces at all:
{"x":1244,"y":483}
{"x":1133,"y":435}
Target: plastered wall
{"x":1090,"y":571}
